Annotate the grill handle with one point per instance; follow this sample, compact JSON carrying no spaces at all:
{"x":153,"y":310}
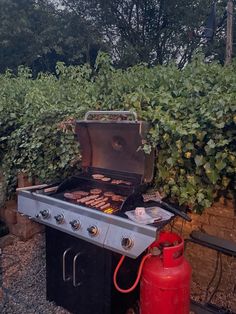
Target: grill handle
{"x":111,"y":113}
{"x":75,"y":284}
{"x":173,"y":210}
{"x":65,"y":277}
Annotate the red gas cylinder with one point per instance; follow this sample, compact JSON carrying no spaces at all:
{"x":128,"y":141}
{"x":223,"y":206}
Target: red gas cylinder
{"x":165,"y":280}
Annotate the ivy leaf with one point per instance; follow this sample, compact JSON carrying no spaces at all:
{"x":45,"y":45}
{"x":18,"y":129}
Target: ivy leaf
{"x":213,"y":175}
{"x":200,"y":197}
{"x":189,"y":146}
{"x":170,"y":161}
{"x":220,"y":164}
{"x":207,"y":166}
{"x":199,"y":160}
{"x":211,"y":143}
{"x":206,"y":203}
{"x":220,"y":125}
{"x":225,"y":181}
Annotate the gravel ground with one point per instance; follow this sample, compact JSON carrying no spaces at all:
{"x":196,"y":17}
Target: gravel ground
{"x":23,"y":281}
{"x":221,"y":299}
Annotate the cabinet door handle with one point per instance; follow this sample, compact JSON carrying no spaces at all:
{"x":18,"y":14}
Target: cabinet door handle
{"x":65,"y":277}
{"x":75,"y":284}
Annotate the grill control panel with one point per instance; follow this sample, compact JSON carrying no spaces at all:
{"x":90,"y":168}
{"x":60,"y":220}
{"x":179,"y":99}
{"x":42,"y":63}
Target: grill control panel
{"x":109,"y":231}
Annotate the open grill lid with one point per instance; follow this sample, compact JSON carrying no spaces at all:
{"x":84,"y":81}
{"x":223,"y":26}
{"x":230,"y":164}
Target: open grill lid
{"x":115,"y":144}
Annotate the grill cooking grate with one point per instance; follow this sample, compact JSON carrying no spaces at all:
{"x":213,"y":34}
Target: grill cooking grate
{"x":96,"y":198}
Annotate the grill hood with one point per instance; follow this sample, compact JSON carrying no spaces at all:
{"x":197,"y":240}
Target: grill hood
{"x":112,"y":144}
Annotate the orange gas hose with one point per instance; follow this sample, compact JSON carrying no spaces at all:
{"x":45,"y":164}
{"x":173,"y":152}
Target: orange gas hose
{"x":138,"y":276}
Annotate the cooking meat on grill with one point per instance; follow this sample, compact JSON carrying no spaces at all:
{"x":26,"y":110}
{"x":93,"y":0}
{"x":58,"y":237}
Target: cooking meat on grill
{"x":80,"y":193}
{"x":126,"y":182}
{"x":70,"y":196}
{"x":90,"y":201}
{"x":106,"y":179}
{"x":117,"y":198}
{"x":98,"y":176}
{"x":108,"y":193}
{"x":98,"y":202}
{"x":95,"y":191}
{"x":87,"y":198}
{"x":105,"y":206}
{"x":114,"y":181}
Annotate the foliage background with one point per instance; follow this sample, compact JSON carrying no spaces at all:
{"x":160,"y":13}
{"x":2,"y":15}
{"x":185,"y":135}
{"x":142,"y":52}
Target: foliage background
{"x":37,"y":33}
{"x":190,"y":111}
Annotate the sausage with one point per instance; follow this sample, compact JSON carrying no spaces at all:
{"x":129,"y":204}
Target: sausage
{"x":105,"y":206}
{"x":87,"y":198}
{"x":100,"y":204}
{"x":99,"y":199}
{"x":90,"y":201}
{"x":97,"y":202}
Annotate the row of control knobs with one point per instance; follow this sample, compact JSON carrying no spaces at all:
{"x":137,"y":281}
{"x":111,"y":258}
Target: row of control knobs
{"x":75,"y":224}
{"x":127,"y":243}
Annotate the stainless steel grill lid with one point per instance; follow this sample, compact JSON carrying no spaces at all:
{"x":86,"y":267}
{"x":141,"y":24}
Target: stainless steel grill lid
{"x":115,"y":144}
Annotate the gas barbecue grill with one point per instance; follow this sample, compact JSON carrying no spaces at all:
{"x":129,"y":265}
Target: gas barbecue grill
{"x":114,"y":164}
{"x":89,"y":209}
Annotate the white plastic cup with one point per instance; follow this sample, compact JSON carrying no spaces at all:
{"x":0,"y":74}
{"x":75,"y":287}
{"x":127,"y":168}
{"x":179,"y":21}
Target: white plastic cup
{"x":139,"y":211}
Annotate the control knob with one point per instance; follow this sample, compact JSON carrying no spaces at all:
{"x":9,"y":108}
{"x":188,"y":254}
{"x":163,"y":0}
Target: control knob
{"x":59,"y":218}
{"x":75,"y":224}
{"x":127,"y":243}
{"x":45,"y":213}
{"x":93,"y":230}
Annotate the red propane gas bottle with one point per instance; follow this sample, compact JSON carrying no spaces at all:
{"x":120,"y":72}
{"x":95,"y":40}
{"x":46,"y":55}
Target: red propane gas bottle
{"x":165,"y":280}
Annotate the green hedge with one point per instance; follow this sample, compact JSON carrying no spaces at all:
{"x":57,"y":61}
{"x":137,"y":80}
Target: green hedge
{"x":191,"y":113}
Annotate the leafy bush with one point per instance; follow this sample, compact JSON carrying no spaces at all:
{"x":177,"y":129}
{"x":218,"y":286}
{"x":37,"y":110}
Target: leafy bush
{"x":190,"y":111}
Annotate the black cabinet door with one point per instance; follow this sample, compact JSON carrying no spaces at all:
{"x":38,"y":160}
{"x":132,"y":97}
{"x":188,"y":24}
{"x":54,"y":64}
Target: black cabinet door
{"x":75,"y":273}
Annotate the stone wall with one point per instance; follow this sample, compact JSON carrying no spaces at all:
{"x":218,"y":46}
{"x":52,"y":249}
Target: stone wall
{"x":218,"y":220}
{"x":19,"y":225}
